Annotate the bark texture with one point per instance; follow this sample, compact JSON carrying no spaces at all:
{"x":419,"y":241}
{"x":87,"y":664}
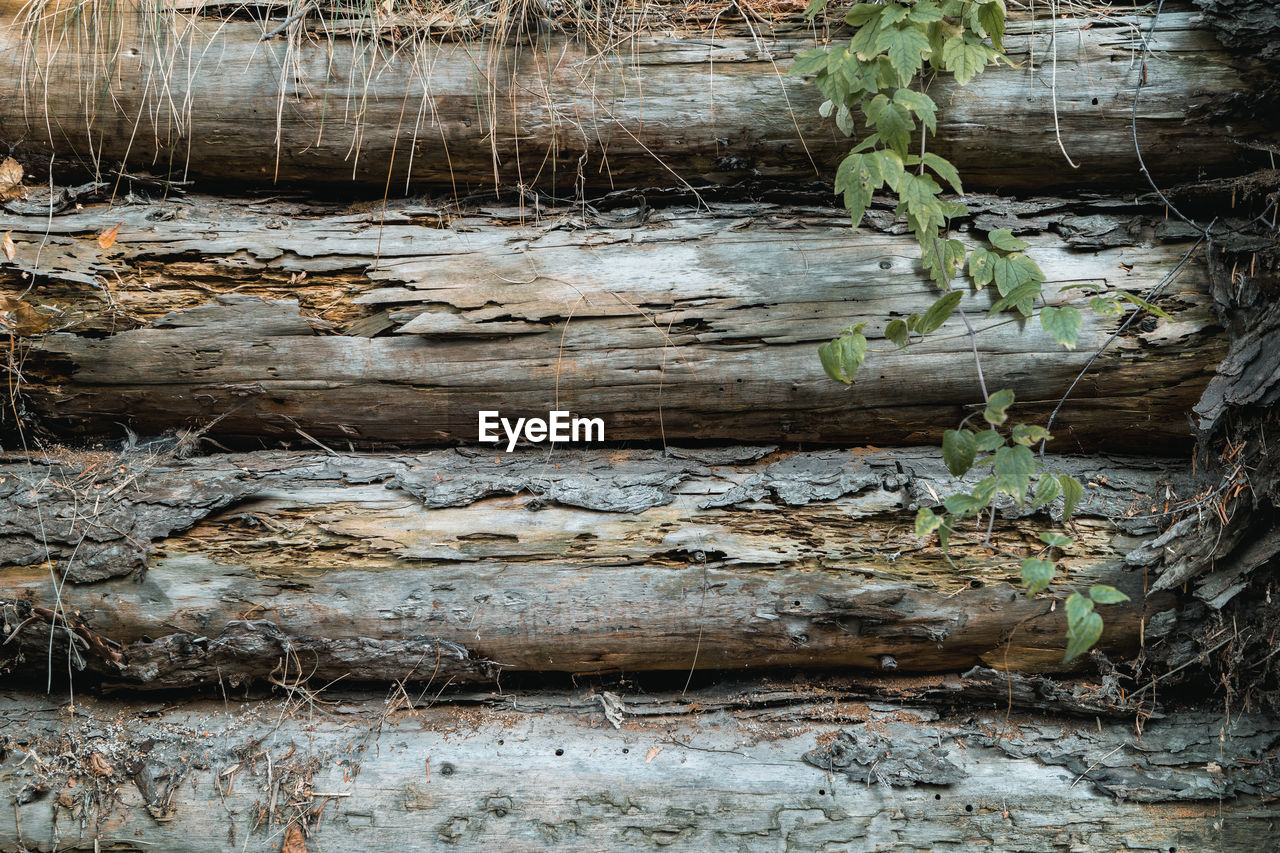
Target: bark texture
{"x":456,"y":566}
{"x":756,"y":769}
{"x":278,"y":320}
{"x":191,"y":97}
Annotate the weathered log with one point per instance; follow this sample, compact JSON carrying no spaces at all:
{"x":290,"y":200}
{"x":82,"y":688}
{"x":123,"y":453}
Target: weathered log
{"x":193,"y":97}
{"x":457,"y":566}
{"x":266,"y":321}
{"x":757,"y":769}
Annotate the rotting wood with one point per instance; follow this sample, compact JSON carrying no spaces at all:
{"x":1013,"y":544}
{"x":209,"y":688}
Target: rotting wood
{"x":200,"y":97}
{"x":747,"y":769}
{"x":454,"y":565}
{"x":398,"y":326}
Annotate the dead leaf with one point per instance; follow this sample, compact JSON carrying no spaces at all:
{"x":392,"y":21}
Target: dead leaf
{"x":10,"y":179}
{"x":107,"y":238}
{"x":653,"y":753}
{"x":98,"y":766}
{"x":294,"y":840}
{"x":20,"y":318}
{"x":614,"y":710}
{"x":7,"y":244}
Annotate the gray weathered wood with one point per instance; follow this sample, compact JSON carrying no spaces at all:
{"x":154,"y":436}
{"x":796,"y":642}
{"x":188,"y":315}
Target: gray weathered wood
{"x":756,"y":769}
{"x":666,"y":324}
{"x":461,"y":566}
{"x":207,"y":98}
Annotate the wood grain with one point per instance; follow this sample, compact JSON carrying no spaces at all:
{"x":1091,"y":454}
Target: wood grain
{"x":453,"y":565}
{"x":206,"y":98}
{"x":758,"y":768}
{"x":269,"y":321}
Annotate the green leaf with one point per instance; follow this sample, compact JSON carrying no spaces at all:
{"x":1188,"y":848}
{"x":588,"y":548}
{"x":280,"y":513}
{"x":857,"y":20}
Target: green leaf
{"x":1106,"y":307}
{"x":944,"y":533}
{"x":951,"y":253}
{"x":1015,"y":466}
{"x":981,"y":267}
{"x":1021,"y":299}
{"x":1036,"y":575}
{"x":892,"y":122}
{"x":919,"y":194}
{"x":926,"y":522}
{"x":963,"y":59}
{"x":1056,"y":540}
{"x":1142,"y":303}
{"x":1029,"y":434}
{"x":1077,"y":607}
{"x":863,"y":13}
{"x":896,"y":331}
{"x":1103,"y":594}
{"x":988,"y":440}
{"x":1047,"y":491}
{"x":1082,"y":635}
{"x":984,"y":490}
{"x":1003,"y":239}
{"x":923,"y":106}
{"x":1072,"y":493}
{"x":809,"y":62}
{"x":958,"y":450}
{"x":996,"y":405}
{"x":1063,"y":324}
{"x":1015,"y":269}
{"x":892,"y":14}
{"x":842,"y":357}
{"x":889,"y":165}
{"x":943,"y":169}
{"x":991,"y":16}
{"x":907,"y":46}
{"x":962,"y":504}
{"x":938,"y":312}
{"x":844,"y":120}
{"x":925,"y":12}
{"x":865,"y":41}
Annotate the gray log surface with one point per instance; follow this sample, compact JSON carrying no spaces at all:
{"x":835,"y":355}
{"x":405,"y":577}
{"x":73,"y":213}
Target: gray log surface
{"x":760,"y":768}
{"x":458,"y":566}
{"x":277,"y":319}
{"x":207,"y":98}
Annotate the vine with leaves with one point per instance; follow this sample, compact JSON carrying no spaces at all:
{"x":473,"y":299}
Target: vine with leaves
{"x":878,"y":79}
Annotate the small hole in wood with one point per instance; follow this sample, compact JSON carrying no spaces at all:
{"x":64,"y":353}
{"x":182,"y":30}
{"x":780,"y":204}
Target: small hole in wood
{"x":968,"y":808}
{"x":1095,"y":102}
{"x":559,"y":752}
{"x":822,"y":792}
{"x":501,"y":741}
{"x":937,"y":796}
{"x":625,"y":750}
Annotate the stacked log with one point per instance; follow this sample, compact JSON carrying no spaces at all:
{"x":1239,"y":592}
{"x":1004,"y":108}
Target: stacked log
{"x":249,"y":496}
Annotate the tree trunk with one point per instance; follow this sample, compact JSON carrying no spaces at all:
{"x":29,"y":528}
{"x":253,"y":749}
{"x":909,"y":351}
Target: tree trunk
{"x":338,"y":104}
{"x":756,"y":769}
{"x":271,"y":320}
{"x":462,"y":567}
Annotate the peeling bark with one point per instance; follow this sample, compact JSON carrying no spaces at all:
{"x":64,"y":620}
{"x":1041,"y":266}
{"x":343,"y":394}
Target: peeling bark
{"x":742,"y":769}
{"x":278,"y":320}
{"x":456,"y":566}
{"x":199,"y":97}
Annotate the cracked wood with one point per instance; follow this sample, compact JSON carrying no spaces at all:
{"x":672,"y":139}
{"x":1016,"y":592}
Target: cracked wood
{"x":660,"y":106}
{"x":757,"y":768}
{"x":276,"y":319}
{"x":455,"y":565}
